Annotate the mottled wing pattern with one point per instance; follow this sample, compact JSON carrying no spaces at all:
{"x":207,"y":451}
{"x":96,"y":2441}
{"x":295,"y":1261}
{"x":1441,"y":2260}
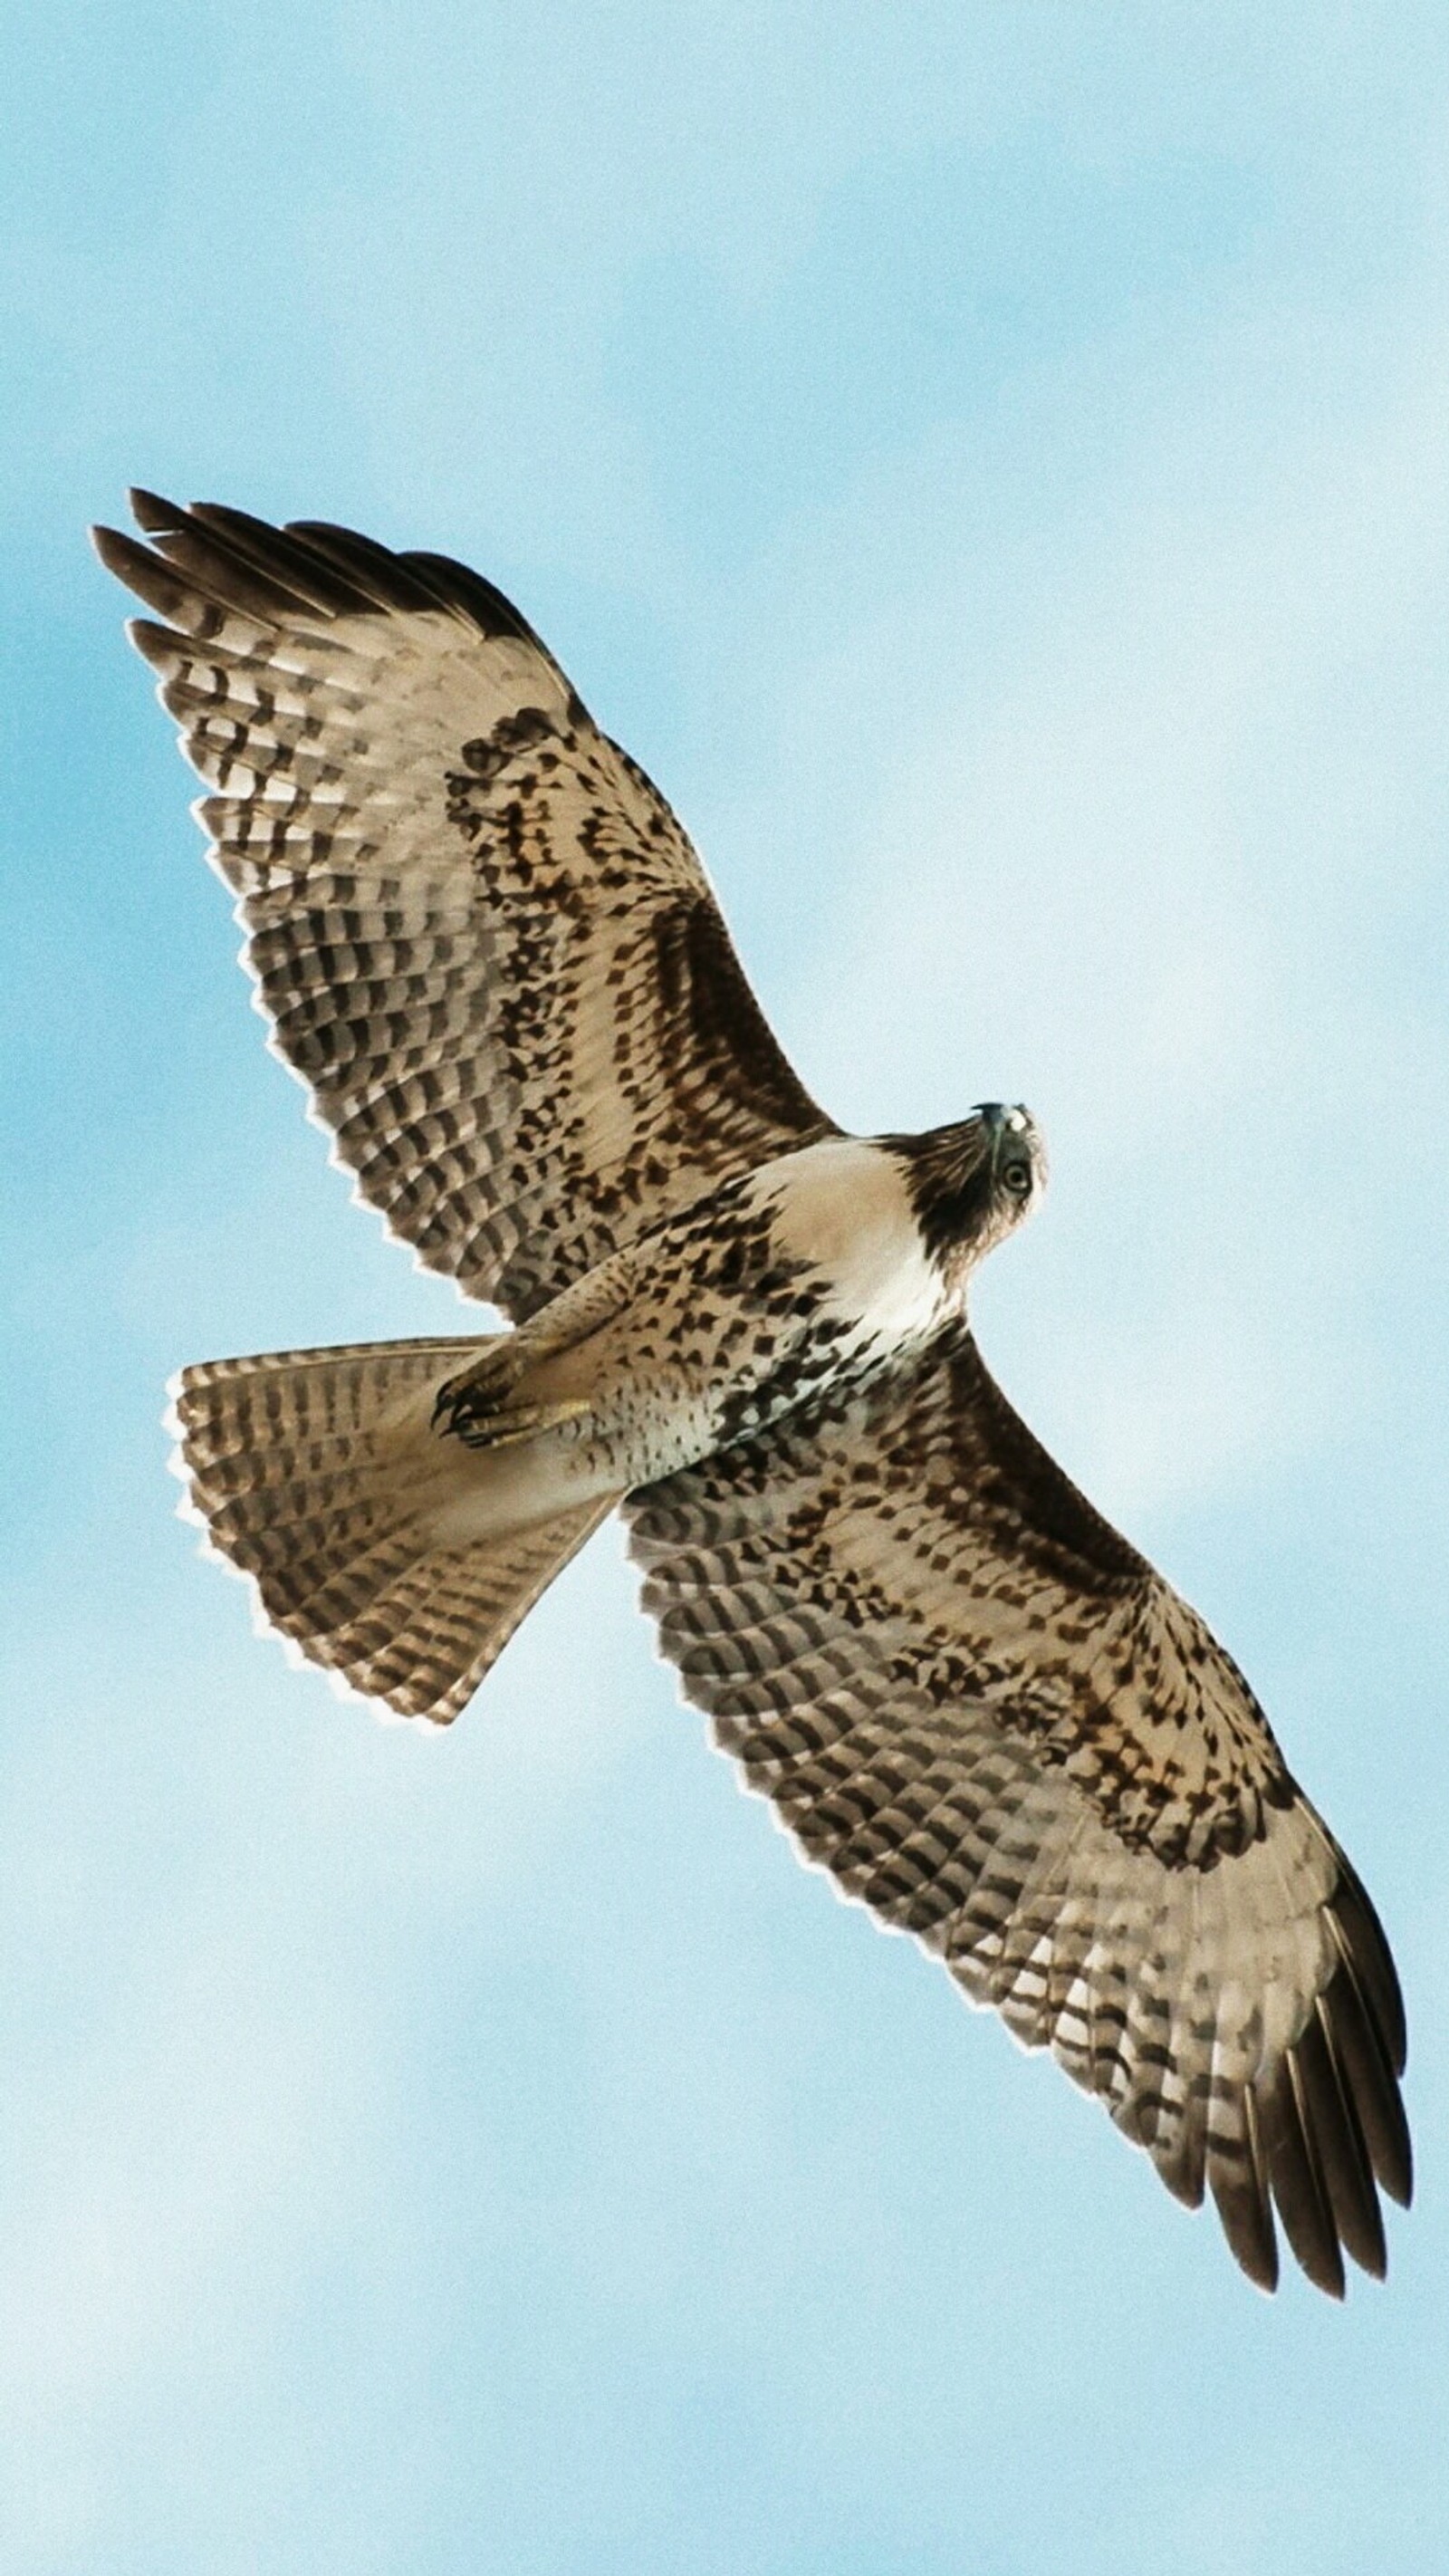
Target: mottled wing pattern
{"x":481,"y":937}
{"x":978,"y":1708}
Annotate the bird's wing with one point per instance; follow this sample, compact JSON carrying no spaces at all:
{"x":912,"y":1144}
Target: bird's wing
{"x":482,"y":938}
{"x":983,"y":1712}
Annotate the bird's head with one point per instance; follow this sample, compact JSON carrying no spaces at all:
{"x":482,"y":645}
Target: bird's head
{"x":972,"y":1183}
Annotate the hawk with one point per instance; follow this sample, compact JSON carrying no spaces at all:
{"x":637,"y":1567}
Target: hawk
{"x":489,"y":950}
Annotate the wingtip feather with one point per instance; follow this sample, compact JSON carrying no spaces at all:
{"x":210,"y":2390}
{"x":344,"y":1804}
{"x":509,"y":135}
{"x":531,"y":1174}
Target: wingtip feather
{"x":114,"y":548}
{"x":153,"y":515}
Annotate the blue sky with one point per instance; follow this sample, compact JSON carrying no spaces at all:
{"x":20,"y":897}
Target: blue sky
{"x":992,"y":465}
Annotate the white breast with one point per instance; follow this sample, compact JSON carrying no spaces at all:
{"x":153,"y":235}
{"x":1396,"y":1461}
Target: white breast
{"x":843,"y":1206}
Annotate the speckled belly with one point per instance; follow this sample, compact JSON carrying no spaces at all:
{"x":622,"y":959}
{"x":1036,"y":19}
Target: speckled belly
{"x":720,"y":1321}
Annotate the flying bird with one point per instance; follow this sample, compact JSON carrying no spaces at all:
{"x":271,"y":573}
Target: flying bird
{"x":489,"y":950}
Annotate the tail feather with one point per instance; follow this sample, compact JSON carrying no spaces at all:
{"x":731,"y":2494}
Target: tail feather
{"x":424,"y":1644}
{"x":319,"y":1475}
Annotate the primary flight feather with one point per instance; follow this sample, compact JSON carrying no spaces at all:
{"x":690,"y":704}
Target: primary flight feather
{"x":491,"y":953}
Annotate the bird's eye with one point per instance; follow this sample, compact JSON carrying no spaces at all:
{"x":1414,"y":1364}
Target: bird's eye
{"x":1016,"y":1177}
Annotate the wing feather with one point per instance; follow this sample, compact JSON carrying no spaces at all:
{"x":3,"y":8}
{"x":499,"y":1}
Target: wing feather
{"x":984,"y":1713}
{"x":481,"y":937}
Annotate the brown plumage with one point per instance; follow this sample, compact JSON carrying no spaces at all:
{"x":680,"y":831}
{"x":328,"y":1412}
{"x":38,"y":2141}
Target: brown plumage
{"x":491,"y":953}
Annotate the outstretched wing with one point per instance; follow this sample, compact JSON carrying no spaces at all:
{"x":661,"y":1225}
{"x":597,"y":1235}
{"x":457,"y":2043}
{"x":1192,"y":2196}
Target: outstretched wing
{"x":482,"y":938}
{"x":988,"y":1717}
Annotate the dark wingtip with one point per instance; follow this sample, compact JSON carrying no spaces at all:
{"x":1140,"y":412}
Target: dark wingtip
{"x":1240,"y":2192}
{"x":1288,"y":2142}
{"x":1365,"y":2059}
{"x":1344,"y":2161}
{"x":234,"y":560}
{"x":1374,"y":1960}
{"x":155,"y":580}
{"x":117,"y":551}
{"x":153,"y":515}
{"x":1258,"y":2261}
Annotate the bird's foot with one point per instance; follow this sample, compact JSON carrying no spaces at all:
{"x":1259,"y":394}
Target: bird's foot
{"x":519,"y":1422}
{"x":476,"y":1407}
{"x":480,"y":1392}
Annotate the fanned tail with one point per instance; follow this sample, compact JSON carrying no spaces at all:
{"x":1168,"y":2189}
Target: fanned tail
{"x":321,"y":1476}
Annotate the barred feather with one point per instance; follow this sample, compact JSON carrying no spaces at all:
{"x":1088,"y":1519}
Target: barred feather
{"x":314,"y":1474}
{"x":482,"y":938}
{"x":989,"y":1719}
{"x":487,"y":947}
